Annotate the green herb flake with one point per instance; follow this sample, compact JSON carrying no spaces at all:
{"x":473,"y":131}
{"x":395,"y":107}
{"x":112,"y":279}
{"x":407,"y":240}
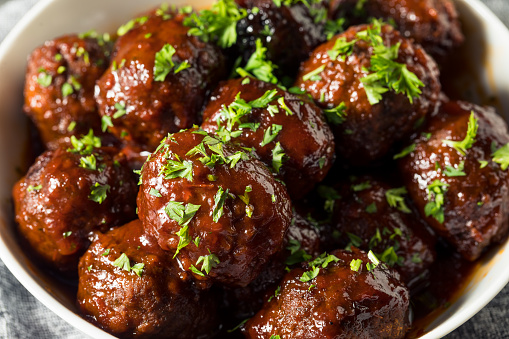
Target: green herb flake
{"x":88,"y":162}
{"x":314,"y":74}
{"x":258,"y":66}
{"x":122,"y":30}
{"x":105,"y":123}
{"x":219,"y":200}
{"x":107,"y":252}
{"x":121,"y":110}
{"x":178,"y":169}
{"x":44,"y":79}
{"x":395,"y":199}
{"x":435,"y":208}
{"x":155,"y":193}
{"x":34,"y":188}
{"x":501,"y":156}
{"x":123,"y":262}
{"x":355,"y":265}
{"x":361,"y":187}
{"x":406,"y":151}
{"x":71,"y":126}
{"x":270,"y":134}
{"x":483,"y":163}
{"x":371,"y":208}
{"x":67,"y":234}
{"x":462,"y":146}
{"x":98,"y":192}
{"x":455,"y":172}
{"x":277,"y":157}
{"x":336,"y":115}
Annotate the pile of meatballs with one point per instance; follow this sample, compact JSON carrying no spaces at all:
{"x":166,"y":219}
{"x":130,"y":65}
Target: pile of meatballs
{"x":263,"y":168}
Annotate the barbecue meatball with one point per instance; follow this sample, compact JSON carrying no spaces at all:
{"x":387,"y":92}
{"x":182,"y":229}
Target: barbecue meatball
{"x":462,"y":188}
{"x":274,"y":25}
{"x":366,"y":132}
{"x":158,"y":80}
{"x":214,"y":208}
{"x":433,"y":24}
{"x":287,"y":123}
{"x":59,"y":87}
{"x":129,"y":288}
{"x":66,"y":195}
{"x":338,"y":303}
{"x":302,"y":242}
{"x":366,"y":219}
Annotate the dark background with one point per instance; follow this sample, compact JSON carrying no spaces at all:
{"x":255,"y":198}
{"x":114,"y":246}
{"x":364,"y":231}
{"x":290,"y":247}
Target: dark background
{"x":22,"y":316}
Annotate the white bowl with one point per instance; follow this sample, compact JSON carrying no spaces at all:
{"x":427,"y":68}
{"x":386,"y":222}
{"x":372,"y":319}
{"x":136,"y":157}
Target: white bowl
{"x":487,"y":45}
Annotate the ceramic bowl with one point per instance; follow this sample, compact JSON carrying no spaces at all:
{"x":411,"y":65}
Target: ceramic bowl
{"x":488,"y":78}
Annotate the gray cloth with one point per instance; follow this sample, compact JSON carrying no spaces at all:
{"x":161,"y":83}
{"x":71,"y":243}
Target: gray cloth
{"x":22,"y":316}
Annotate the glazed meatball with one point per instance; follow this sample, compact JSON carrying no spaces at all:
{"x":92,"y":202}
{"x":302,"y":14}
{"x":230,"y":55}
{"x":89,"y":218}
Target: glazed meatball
{"x":66,"y":195}
{"x":284,"y":123}
{"x":433,"y":24}
{"x":59,"y":87}
{"x":274,"y":25}
{"x":129,"y":288}
{"x":341,"y":301}
{"x":374,"y":216}
{"x":158,"y":80}
{"x":217,"y":211}
{"x":457,"y":176}
{"x":302,"y":242}
{"x":367,"y":121}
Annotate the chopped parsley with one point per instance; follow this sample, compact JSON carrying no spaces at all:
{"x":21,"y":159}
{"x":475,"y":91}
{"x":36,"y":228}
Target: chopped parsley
{"x":180,"y":213}
{"x":86,"y":144}
{"x":218,"y":24}
{"x":67,"y":234}
{"x":330,"y":195}
{"x":314,"y":74}
{"x":88,"y":162}
{"x":333,"y":27}
{"x":121,"y":110}
{"x":395,"y":198}
{"x":321,"y":261}
{"x":462,"y":146}
{"x":406,"y":151}
{"x":72,"y":126}
{"x":484,"y":163}
{"x":355,"y":265}
{"x":98,"y":192}
{"x":341,"y":48}
{"x":155,"y":193}
{"x":258,"y":66}
{"x":371,"y":208}
{"x":361,"y":187}
{"x":122,"y":30}
{"x":219,"y":200}
{"x":124,"y":263}
{"x":374,"y":261}
{"x":208,"y":262}
{"x":44,"y":79}
{"x":277,"y":157}
{"x":270,"y":134}
{"x":178,"y":169}
{"x":501,"y":156}
{"x":297,"y":253}
{"x":436,"y":208}
{"x":336,"y":115}
{"x":451,"y":171}
{"x":34,"y":188}
{"x":105,"y":123}
{"x":164,"y":63}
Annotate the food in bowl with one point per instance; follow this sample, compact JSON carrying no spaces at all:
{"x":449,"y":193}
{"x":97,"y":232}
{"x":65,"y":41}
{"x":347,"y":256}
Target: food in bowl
{"x":205,"y":229}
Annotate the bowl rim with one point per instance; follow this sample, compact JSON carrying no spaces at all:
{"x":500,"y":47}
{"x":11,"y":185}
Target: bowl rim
{"x":22,"y":274}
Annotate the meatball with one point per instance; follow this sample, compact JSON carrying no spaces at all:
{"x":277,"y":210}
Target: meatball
{"x":344,"y":299}
{"x":59,"y":87}
{"x":219,"y":212}
{"x":273,"y":25}
{"x":129,"y":288}
{"x":367,"y":121}
{"x":433,"y":24}
{"x":302,"y":242}
{"x":66,"y":195}
{"x":457,"y":176}
{"x":374,"y":216}
{"x":273,"y":123}
{"x":158,"y":80}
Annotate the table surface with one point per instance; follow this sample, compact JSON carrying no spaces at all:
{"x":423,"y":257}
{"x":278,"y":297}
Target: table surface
{"x":23,"y":316}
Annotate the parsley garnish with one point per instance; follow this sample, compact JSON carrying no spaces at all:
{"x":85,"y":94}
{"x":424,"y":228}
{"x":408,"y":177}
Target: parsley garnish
{"x":406,"y":151}
{"x":180,"y":213}
{"x":314,"y":74}
{"x":164,"y":63}
{"x":86,"y":144}
{"x":34,"y":188}
{"x":155,"y":193}
{"x":501,"y":157}
{"x":218,"y":24}
{"x":105,"y":123}
{"x":330,"y":195}
{"x":72,"y":126}
{"x":336,"y":115}
{"x":89,"y":162}
{"x":44,"y":79}
{"x":219,"y":200}
{"x":374,"y":261}
{"x":258,"y":66}
{"x":436,"y":208}
{"x":371,"y":208}
{"x":395,"y":198}
{"x":270,"y":134}
{"x":98,"y":192}
{"x":178,"y":169}
{"x":123,"y":263}
{"x":130,"y":25}
{"x":462,"y":146}
{"x":277,"y":157}
{"x":333,"y":27}
{"x":455,"y":172}
{"x":321,"y":261}
{"x":361,"y":187}
{"x":355,"y":265}
{"x":121,"y":110}
{"x":209,"y":261}
{"x":341,"y":47}
{"x":297,"y":254}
